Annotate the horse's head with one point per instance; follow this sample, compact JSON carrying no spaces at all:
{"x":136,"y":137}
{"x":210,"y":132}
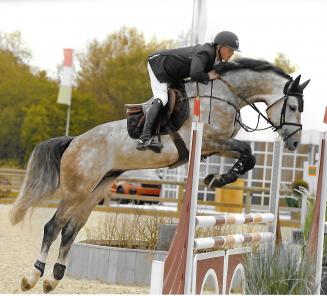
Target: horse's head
{"x":285,"y":113}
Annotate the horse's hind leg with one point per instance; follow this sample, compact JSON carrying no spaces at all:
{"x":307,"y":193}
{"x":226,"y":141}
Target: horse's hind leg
{"x":69,"y":233}
{"x":51,"y":231}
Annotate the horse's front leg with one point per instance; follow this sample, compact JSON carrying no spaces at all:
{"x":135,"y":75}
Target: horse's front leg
{"x":234,"y":149}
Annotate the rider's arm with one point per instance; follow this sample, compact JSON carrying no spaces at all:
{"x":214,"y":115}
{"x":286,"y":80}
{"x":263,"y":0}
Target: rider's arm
{"x":199,"y":61}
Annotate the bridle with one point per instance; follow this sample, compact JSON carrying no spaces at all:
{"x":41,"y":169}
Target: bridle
{"x":274,"y":127}
{"x":283,"y":115}
{"x":282,"y":122}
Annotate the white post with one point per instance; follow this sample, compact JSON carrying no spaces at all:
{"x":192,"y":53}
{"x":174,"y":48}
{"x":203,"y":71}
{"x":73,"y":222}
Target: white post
{"x":199,"y":22}
{"x":304,"y":194}
{"x":67,"y":121}
{"x":320,"y":245}
{"x":274,"y":186}
{"x":157,"y":275}
{"x":198,"y":127}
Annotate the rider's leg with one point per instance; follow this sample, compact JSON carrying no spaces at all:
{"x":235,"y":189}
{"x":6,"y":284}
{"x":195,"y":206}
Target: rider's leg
{"x":147,"y":140}
{"x":160,"y":94}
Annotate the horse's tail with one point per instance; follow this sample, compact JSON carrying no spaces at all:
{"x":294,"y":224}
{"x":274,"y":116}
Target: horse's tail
{"x":42,"y":176}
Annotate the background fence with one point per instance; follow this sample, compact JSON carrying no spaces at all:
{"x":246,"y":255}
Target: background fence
{"x":11,"y":180}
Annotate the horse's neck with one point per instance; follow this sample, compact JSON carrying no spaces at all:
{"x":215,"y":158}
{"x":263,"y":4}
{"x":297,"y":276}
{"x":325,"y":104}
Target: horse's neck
{"x":254,"y":86}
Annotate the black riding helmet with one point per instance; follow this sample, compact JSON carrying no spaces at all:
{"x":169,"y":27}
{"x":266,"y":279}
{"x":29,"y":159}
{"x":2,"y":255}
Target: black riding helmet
{"x":227,"y":39}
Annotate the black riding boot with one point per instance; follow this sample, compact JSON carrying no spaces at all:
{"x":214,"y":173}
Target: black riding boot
{"x":147,"y":141}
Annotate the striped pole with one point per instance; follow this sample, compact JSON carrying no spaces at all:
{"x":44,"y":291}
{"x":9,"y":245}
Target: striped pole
{"x":237,"y":219}
{"x":231,"y":240}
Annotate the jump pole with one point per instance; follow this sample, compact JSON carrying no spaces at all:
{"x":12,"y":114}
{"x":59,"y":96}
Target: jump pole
{"x":274,"y":191}
{"x":174,"y":276}
{"x":321,"y":196}
{"x":316,"y":238}
{"x":180,"y":255}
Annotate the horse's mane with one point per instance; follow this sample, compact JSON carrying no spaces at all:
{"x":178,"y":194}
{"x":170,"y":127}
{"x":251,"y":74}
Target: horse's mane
{"x":250,"y":64}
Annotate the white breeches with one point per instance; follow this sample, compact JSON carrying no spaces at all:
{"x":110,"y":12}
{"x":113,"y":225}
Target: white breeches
{"x":159,"y":90}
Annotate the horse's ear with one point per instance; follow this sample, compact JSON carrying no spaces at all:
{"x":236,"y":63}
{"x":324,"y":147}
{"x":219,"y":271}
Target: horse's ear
{"x":294,"y":85}
{"x":304,"y":84}
{"x":297,"y":81}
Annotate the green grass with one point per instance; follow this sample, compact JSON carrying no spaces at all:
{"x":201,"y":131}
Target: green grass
{"x":286,"y":272}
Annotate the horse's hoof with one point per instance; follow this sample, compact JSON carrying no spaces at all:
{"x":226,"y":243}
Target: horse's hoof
{"x":217,"y":182}
{"x":28,"y":283}
{"x":222,"y":180}
{"x":25,"y":285}
{"x":208,"y":179}
{"x":47,"y":287}
{"x":49,"y":284}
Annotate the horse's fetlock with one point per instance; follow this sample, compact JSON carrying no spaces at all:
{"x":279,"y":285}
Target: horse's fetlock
{"x":40,"y":266}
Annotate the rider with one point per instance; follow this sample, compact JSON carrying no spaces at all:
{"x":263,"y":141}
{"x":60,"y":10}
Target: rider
{"x":172,"y":65}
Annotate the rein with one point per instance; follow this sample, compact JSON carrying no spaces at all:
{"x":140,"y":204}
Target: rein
{"x":252,"y":105}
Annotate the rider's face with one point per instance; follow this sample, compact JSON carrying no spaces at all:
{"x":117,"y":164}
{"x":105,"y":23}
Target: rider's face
{"x":225,"y":53}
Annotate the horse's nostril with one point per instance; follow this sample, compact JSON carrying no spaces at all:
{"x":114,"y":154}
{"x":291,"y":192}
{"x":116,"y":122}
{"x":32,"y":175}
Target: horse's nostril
{"x":295,"y":144}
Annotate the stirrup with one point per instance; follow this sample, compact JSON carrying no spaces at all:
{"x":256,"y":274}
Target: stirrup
{"x":151,"y":143}
{"x":142,"y":143}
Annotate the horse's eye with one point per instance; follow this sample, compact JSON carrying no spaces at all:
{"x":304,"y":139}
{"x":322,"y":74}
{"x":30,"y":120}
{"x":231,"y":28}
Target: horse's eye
{"x":292,"y":108}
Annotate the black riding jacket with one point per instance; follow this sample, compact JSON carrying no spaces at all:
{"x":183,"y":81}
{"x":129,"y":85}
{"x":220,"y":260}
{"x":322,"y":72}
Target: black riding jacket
{"x":176,"y":64}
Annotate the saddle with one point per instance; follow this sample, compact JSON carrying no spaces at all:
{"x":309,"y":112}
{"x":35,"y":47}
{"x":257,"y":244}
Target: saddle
{"x":169,"y":121}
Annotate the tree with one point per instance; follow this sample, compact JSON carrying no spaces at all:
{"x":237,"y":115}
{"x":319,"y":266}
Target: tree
{"x":47,"y":119}
{"x":18,"y":88}
{"x":284,"y":63}
{"x":35,"y":127}
{"x":115,"y":71}
{"x":13,"y":42}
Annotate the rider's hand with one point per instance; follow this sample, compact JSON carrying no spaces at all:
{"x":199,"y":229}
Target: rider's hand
{"x":213,"y":75}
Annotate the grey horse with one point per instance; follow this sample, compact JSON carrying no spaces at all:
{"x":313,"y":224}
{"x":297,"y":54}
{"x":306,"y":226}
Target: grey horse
{"x":80,"y":169}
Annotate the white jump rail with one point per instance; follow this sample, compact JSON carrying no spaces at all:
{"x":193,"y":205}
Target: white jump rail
{"x":235,"y":219}
{"x":232,"y":240}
